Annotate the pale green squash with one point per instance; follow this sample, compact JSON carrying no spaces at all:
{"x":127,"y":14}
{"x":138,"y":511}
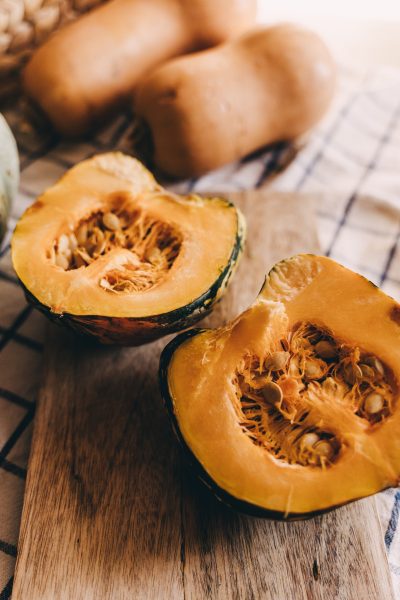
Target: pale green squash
{"x":9,"y":173}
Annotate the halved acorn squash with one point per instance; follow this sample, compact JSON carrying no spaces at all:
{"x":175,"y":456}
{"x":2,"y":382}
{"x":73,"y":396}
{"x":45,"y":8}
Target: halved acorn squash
{"x":111,"y":253}
{"x":293,"y":408}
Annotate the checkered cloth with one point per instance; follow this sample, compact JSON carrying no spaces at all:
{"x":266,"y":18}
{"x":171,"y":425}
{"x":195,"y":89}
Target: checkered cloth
{"x":352,"y":160}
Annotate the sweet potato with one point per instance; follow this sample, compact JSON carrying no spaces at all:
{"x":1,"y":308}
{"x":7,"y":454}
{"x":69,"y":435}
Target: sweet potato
{"x":89,"y":67}
{"x":215,"y":106}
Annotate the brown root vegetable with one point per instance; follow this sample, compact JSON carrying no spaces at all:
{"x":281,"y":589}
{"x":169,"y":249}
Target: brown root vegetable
{"x":218,"y":105}
{"x":90,"y":67}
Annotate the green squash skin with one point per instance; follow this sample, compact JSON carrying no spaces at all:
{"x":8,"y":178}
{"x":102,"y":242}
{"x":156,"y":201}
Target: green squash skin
{"x":135,"y":331}
{"x":222,"y":495}
{"x":9,"y":173}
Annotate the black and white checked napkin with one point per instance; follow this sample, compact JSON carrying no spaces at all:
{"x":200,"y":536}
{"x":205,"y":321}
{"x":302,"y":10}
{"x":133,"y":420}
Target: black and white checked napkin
{"x":352,"y":161}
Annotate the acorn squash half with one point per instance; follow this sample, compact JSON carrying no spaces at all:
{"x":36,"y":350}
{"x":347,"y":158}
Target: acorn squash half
{"x":109,"y":252}
{"x":293,"y":408}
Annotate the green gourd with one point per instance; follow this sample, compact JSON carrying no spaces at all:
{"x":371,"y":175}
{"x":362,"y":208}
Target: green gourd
{"x":9,"y":173}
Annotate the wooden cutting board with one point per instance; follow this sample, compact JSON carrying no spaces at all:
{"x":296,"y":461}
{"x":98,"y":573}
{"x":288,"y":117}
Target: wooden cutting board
{"x":111,"y":511}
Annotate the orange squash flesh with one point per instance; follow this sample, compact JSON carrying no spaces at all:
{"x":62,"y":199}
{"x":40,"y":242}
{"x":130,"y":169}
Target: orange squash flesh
{"x":272,"y":473}
{"x":157,"y":271}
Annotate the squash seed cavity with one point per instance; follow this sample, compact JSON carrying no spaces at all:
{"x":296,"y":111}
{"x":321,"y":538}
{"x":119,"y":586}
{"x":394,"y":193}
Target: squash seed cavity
{"x":153,"y":246}
{"x":279,"y":398}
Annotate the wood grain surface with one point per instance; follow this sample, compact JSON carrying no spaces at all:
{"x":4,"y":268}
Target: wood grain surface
{"x":111,"y":511}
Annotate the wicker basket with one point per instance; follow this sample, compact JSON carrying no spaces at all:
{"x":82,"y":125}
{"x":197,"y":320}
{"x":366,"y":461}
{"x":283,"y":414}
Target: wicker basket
{"x":24,"y":24}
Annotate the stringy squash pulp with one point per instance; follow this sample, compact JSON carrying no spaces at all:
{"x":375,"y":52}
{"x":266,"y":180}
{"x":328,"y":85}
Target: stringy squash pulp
{"x":108,"y":241}
{"x":293,"y":408}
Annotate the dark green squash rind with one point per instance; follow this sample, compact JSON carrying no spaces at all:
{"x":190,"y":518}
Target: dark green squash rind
{"x":135,"y":331}
{"x":221,"y":494}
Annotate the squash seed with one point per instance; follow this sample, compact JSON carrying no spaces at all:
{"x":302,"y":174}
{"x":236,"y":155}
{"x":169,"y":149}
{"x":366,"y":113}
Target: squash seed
{"x":276,"y":361}
{"x":62,"y":261}
{"x":154,"y":255}
{"x":73,"y":242}
{"x":324,"y":449}
{"x":294,"y":367}
{"x":376,"y":364}
{"x":325,"y":349}
{"x":329,"y":385}
{"x":352,"y":372}
{"x":314,"y":369}
{"x":111,"y":221}
{"x":309,"y":439}
{"x":367,"y":371}
{"x":63,"y":243}
{"x":81,"y":234}
{"x":79,"y":262}
{"x":105,"y":284}
{"x":272,"y":393}
{"x":94,"y":238}
{"x":84,"y":255}
{"x":100,"y":247}
{"x":290,"y":386}
{"x":373,"y":403}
